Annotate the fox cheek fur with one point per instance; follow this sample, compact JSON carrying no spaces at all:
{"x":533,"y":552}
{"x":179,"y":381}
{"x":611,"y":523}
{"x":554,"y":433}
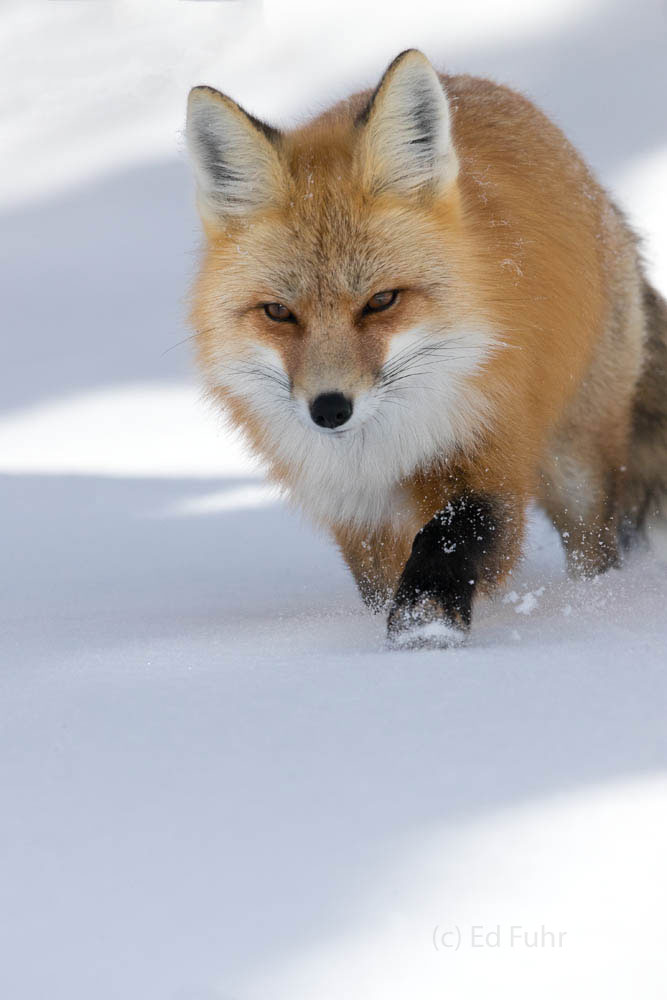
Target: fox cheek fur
{"x":424,"y":314}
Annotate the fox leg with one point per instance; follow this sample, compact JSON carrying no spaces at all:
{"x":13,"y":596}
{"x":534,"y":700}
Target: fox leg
{"x":587,"y":470}
{"x":467,"y":546}
{"x":591,"y":537}
{"x":376,"y":559}
{"x":583,"y":494}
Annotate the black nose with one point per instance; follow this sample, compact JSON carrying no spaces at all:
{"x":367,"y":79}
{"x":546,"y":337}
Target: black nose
{"x":331,"y":409}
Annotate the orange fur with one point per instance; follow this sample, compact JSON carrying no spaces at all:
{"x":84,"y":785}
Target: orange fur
{"x":523,"y":243}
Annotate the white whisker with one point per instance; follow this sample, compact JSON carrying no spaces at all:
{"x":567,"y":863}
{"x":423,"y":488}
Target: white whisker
{"x":422,"y":407}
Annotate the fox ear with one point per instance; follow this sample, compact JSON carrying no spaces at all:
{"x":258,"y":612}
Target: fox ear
{"x":234,"y":155}
{"x":407,"y":143}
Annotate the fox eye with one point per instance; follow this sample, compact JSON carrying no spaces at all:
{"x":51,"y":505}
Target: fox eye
{"x":380,"y":301}
{"x":279,"y":313}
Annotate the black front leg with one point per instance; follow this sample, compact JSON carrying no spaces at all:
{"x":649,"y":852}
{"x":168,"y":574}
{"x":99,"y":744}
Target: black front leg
{"x":450,"y":555}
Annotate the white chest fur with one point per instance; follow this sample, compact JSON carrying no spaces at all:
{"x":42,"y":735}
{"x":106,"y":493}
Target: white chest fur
{"x":423,"y":407}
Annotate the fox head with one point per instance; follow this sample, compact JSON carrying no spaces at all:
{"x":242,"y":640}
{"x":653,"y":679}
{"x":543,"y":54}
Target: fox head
{"x":337,"y":308}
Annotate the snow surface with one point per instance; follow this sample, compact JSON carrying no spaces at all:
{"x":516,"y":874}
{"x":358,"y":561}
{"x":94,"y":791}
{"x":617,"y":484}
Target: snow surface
{"x":215,"y":783}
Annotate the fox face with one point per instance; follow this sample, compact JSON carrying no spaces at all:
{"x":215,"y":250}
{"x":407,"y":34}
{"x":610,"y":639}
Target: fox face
{"x":338,"y":308}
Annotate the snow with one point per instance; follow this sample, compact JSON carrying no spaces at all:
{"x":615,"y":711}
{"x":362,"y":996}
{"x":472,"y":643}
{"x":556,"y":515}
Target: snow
{"x":215,"y":782}
{"x":427,"y":635}
{"x":529,"y":601}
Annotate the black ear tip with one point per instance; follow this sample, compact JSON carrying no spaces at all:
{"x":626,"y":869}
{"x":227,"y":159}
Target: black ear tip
{"x":203,"y":97}
{"x":202,"y":92}
{"x":415,"y":54}
{"x":410,"y":52}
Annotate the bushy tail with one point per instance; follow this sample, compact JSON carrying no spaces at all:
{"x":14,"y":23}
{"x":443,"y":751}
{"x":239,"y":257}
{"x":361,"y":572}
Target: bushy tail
{"x":647,"y":468}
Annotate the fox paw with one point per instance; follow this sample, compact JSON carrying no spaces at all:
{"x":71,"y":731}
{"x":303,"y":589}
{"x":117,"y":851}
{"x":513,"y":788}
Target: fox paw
{"x":422,"y":625}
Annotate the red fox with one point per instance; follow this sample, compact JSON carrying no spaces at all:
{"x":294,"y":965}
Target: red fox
{"x":424,"y":313}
